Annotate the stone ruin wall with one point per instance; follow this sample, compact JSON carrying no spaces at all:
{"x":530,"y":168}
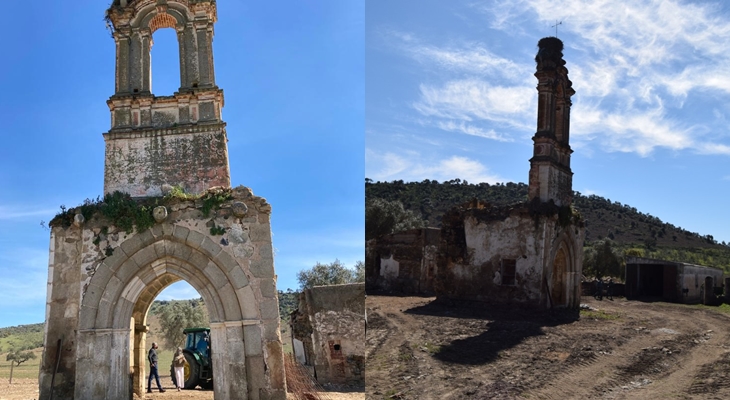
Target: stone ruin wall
{"x":474,"y":245}
{"x":405,"y":262}
{"x":331,"y":319}
{"x":232,"y":271}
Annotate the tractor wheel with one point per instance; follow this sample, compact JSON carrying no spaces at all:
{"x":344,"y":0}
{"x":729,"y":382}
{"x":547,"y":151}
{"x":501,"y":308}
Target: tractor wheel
{"x":192,"y":372}
{"x":207,"y":385}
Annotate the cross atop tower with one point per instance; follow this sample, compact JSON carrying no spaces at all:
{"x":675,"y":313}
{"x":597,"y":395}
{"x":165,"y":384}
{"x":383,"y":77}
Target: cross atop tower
{"x":556,"y":27}
{"x":177,"y":140}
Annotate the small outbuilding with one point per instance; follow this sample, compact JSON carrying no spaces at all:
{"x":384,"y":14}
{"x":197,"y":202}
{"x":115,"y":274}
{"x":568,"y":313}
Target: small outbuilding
{"x":671,"y":281}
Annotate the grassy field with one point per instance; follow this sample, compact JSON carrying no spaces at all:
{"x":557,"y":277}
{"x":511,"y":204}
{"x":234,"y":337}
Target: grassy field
{"x":28,"y":369}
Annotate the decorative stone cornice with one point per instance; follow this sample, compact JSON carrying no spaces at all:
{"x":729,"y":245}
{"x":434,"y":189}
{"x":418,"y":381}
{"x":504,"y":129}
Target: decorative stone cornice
{"x":148,"y":132}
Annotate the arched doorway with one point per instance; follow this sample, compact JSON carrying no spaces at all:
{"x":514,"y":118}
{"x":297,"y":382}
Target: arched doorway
{"x":122,"y":290}
{"x":559,"y":292}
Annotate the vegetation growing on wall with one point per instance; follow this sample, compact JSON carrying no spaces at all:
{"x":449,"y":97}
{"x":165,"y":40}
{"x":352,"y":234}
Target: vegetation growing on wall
{"x":127,"y":213}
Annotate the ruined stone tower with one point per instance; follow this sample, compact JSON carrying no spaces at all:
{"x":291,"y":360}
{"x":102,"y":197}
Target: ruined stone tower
{"x":179,"y":140}
{"x":529,"y":253}
{"x":109,"y":260}
{"x":550,"y":174}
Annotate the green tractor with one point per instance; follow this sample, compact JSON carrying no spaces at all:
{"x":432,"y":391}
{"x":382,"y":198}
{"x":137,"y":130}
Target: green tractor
{"x":198,"y":366}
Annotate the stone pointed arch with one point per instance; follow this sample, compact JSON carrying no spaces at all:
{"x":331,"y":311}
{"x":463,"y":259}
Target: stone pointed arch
{"x":565,"y":271}
{"x":116,"y":299}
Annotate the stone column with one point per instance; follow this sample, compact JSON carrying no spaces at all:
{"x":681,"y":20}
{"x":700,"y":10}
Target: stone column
{"x":192,"y":77}
{"x":230,"y":379}
{"x":184,"y":82}
{"x":140,"y":359}
{"x":204,"y":53}
{"x":122,"y":61}
{"x":136,"y":60}
{"x":102,"y":365}
{"x":146,"y":67}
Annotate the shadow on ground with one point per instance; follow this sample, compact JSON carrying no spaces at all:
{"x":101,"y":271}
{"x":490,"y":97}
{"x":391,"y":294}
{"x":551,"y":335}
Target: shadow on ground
{"x":506,"y":327}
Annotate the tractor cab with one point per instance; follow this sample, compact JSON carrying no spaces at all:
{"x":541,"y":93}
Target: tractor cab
{"x":198,"y":366}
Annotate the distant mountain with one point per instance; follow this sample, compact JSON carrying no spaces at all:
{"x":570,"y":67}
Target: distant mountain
{"x":624,"y":225}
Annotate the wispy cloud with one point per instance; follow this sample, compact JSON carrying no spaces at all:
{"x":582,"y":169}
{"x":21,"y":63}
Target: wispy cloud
{"x":411,"y":167}
{"x":474,"y":100}
{"x":14,"y":212}
{"x":634,"y":66}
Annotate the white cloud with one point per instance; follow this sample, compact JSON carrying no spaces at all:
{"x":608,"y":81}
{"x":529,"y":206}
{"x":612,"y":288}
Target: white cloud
{"x":14,"y":212}
{"x":415,"y":168}
{"x":462,"y":127}
{"x":478,"y":100}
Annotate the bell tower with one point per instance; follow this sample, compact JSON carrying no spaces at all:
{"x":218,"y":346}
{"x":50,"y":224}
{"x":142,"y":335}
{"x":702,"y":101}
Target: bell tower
{"x":177,"y":140}
{"x":550,"y":175}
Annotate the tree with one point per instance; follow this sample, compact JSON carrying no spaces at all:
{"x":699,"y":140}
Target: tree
{"x":383,"y":217}
{"x":602,"y":260}
{"x":18,"y":357}
{"x":178,"y":315}
{"x":334,"y":273}
{"x":359,"y":271}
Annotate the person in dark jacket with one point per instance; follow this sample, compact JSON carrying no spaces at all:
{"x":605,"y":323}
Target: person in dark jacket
{"x":152,"y":358}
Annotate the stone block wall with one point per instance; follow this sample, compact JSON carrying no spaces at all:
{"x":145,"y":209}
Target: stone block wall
{"x":102,"y":281}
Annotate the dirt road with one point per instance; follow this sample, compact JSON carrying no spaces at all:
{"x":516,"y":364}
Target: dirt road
{"x":418,"y":349}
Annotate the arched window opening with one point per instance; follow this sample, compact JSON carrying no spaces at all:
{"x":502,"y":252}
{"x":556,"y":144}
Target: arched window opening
{"x":165,"y":62}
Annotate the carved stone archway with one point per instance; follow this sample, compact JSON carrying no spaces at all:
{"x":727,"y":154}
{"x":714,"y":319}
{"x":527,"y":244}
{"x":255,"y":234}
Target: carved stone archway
{"x":103,"y":280}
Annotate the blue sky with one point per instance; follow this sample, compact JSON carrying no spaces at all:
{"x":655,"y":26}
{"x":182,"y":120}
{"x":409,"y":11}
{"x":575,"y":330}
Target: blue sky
{"x":450,"y":93}
{"x":292,"y":73}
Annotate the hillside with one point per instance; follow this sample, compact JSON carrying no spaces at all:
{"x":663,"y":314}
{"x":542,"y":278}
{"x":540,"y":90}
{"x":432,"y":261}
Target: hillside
{"x":625,"y":225}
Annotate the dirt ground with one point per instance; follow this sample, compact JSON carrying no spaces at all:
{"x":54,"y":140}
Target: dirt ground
{"x":421,"y":349}
{"x":27,"y":389}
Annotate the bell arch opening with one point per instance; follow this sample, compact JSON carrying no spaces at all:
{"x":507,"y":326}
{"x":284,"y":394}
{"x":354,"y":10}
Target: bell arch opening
{"x":165,"y":64}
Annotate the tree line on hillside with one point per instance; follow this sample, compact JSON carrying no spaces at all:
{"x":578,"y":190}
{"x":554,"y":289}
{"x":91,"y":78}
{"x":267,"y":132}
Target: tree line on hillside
{"x":392,"y":206}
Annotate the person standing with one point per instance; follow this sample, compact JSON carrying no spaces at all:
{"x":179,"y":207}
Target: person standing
{"x":178,"y":364}
{"x":152,"y":358}
{"x":609,"y":292}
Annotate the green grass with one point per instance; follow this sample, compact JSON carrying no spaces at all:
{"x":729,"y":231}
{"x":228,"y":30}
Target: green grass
{"x":28,"y":369}
{"x":599,"y":314}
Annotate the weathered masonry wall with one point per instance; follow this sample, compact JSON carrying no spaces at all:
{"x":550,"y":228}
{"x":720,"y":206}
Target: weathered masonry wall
{"x":510,"y":255}
{"x":103,"y":280}
{"x":330,"y":322}
{"x":141,"y":164}
{"x":405,"y":262}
